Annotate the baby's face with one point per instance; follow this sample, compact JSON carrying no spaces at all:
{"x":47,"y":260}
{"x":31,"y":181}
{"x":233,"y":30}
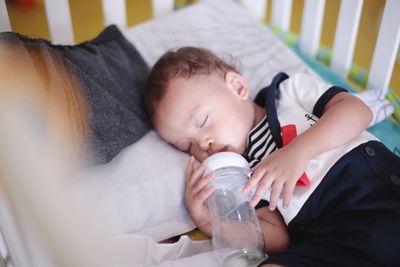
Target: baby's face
{"x":205,"y":115}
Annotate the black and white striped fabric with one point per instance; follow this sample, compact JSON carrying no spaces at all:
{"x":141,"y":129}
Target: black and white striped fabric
{"x":260,"y":143}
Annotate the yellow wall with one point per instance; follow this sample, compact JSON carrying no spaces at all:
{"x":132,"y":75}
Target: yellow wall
{"x":88,"y":21}
{"x":29,"y":20}
{"x":86,"y":15}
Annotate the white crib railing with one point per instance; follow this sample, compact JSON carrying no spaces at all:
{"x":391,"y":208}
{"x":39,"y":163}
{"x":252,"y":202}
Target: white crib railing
{"x":59,"y":21}
{"x":281,"y":14}
{"x":114,"y":12}
{"x":345,"y":37}
{"x":311,"y":26}
{"x":4,"y":20}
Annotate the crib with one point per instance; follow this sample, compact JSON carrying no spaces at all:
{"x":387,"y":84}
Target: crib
{"x":17,"y":244}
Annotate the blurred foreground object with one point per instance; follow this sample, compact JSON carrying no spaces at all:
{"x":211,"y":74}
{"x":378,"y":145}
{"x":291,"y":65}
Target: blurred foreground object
{"x":43,"y":220}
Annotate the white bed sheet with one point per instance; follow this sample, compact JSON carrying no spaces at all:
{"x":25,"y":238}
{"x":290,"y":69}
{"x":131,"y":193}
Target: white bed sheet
{"x":137,"y":250}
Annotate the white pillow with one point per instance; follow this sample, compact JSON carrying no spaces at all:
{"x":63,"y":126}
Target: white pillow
{"x":139,"y":191}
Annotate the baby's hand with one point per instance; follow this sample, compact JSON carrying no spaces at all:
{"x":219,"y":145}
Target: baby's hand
{"x":280,"y":171}
{"x":197,"y":191}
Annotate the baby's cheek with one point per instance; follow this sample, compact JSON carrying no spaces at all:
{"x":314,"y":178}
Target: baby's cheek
{"x":240,"y":147}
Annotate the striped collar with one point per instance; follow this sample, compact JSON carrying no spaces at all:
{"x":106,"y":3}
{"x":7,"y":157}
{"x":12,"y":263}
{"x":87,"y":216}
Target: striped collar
{"x":266,"y":137}
{"x":260,"y":143}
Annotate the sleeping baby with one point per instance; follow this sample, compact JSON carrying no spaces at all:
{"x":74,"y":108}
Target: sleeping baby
{"x":332,"y":189}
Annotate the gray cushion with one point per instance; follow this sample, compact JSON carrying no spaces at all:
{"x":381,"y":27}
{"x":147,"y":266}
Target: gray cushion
{"x":113,"y":77}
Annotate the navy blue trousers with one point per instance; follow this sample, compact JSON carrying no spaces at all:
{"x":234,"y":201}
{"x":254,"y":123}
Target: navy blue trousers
{"x":353,"y":217}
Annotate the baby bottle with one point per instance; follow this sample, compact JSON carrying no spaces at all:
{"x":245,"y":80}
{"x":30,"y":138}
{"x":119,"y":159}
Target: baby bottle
{"x":237,"y":235}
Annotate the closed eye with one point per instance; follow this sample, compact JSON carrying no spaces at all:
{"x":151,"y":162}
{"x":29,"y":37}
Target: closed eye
{"x":204,"y":122}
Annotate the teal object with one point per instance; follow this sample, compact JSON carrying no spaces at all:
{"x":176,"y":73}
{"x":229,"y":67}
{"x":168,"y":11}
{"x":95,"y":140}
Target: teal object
{"x":389,"y":133}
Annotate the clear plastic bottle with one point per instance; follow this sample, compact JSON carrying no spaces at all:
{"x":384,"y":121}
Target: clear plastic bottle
{"x":237,"y":235}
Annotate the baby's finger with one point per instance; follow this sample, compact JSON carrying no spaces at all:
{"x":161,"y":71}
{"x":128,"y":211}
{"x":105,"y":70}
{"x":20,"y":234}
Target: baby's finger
{"x":203,"y":195}
{"x":189,"y":169}
{"x":257,"y":197}
{"x":253,"y":181}
{"x":275,"y":193}
{"x":201,"y":183}
{"x":262,"y":187}
{"x":197,"y":173}
{"x":260,"y":191}
{"x":287,"y":193}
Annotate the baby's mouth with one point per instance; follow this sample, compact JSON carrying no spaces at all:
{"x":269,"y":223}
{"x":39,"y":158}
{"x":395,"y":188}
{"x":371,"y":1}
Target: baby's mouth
{"x":212,"y":151}
{"x":225,"y":148}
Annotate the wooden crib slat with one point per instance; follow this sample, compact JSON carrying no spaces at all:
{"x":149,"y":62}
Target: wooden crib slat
{"x":5,"y":25}
{"x":311,"y":26}
{"x":345,"y":37}
{"x":114,"y":12}
{"x":162,"y":7}
{"x":281,"y":14}
{"x":59,"y":21}
{"x":257,"y":8}
{"x":386,"y":48}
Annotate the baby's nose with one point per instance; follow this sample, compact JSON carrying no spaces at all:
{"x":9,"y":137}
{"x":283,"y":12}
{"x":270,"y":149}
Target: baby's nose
{"x":206,"y":144}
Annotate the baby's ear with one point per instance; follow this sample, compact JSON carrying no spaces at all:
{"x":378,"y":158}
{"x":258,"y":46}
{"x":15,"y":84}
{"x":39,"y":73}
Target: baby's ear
{"x":237,"y":83}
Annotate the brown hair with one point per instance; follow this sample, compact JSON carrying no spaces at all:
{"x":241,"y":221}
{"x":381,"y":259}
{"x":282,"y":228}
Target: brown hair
{"x":185,"y":62}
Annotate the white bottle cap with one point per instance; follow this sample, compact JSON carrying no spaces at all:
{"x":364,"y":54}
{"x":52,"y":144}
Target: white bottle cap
{"x":226,"y":159}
